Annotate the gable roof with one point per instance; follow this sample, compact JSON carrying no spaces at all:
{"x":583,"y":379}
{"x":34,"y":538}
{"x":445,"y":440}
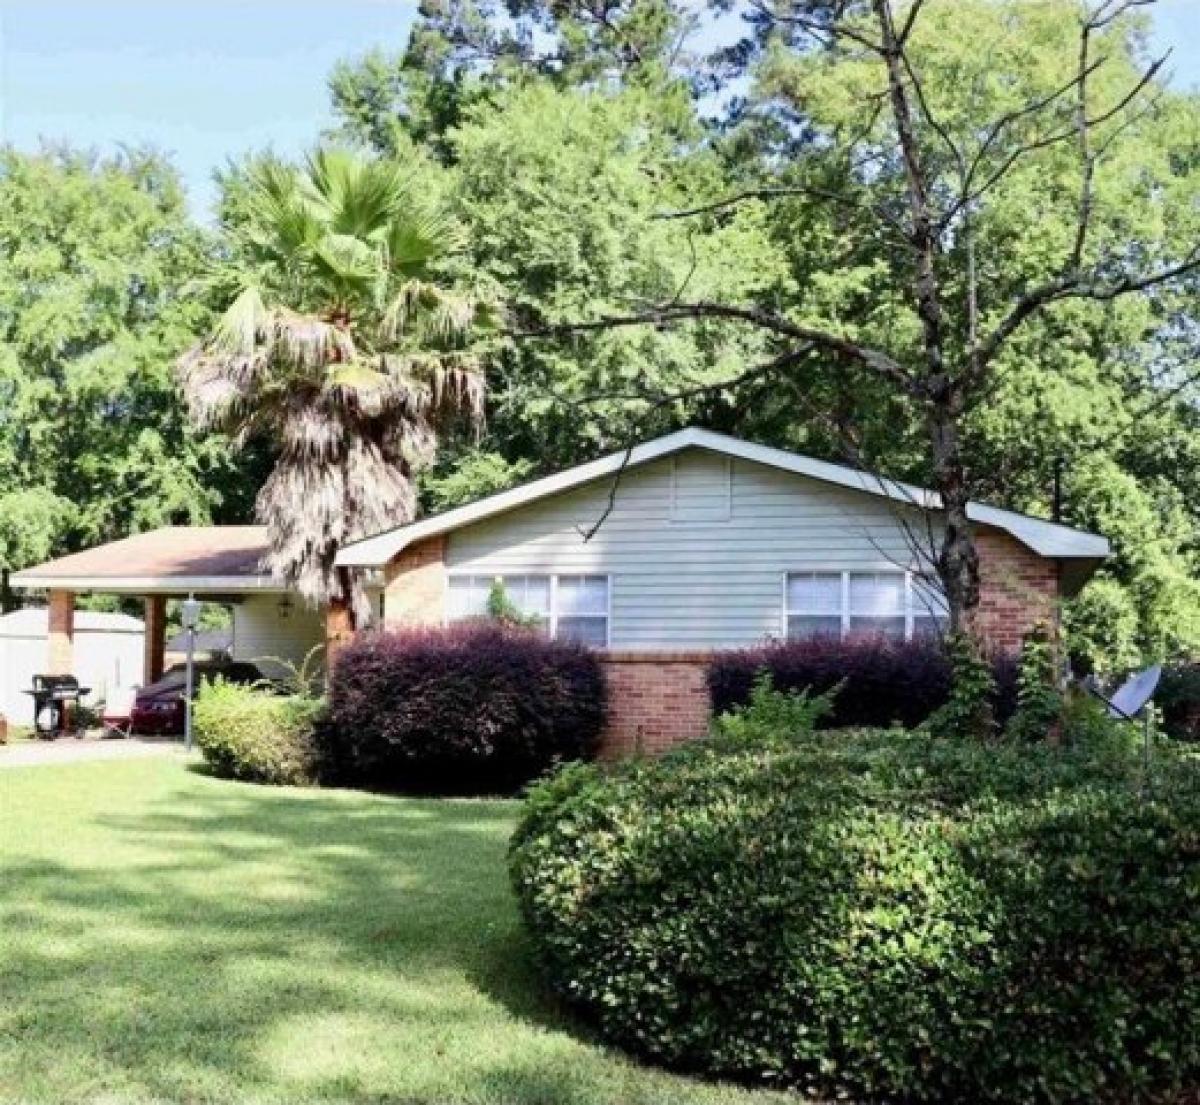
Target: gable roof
{"x":1048,"y":539}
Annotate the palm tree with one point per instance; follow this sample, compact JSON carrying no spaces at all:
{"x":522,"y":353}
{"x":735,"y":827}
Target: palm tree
{"x":341,"y":348}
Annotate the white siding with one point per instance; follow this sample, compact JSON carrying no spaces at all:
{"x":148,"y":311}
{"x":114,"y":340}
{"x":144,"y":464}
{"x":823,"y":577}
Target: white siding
{"x":264,"y":637}
{"x":680,"y":583}
{"x":107,"y":656}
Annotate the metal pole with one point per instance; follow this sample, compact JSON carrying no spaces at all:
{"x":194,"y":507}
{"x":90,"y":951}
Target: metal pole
{"x":187,"y":701}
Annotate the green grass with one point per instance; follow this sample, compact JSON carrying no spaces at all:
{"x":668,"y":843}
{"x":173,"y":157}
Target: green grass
{"x":167,"y":936}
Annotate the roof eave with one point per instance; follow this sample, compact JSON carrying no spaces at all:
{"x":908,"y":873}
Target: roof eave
{"x":147,"y":585}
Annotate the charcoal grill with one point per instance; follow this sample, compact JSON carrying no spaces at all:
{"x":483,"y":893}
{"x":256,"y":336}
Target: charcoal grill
{"x":53,"y":699}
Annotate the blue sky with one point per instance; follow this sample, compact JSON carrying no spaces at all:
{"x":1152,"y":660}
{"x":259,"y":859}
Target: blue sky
{"x":207,"y":79}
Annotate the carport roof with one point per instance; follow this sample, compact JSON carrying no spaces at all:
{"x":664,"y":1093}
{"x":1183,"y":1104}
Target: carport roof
{"x":175,"y":559}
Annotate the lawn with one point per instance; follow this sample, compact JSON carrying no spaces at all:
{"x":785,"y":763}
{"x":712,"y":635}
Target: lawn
{"x":167,"y":936}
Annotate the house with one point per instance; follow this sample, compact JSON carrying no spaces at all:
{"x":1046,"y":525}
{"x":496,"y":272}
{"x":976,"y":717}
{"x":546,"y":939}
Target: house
{"x":657,"y":555}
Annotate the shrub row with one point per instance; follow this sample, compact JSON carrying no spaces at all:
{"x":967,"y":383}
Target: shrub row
{"x":884,"y":681}
{"x":879,"y":915}
{"x":469,"y":709}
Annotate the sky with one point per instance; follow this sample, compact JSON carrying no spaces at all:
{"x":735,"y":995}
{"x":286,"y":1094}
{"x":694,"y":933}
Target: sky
{"x":206,"y":80}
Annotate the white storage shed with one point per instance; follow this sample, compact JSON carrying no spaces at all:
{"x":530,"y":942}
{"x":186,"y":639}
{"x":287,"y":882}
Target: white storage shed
{"x":108,"y":654}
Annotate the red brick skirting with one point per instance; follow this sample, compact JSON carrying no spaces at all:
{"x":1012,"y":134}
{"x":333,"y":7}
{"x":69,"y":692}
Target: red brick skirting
{"x":655,"y":701}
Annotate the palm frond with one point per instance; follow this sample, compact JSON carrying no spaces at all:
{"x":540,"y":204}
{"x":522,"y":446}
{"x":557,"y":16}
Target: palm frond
{"x":309,"y":343}
{"x":425,"y":312}
{"x":420,"y":233}
{"x":242,"y":325}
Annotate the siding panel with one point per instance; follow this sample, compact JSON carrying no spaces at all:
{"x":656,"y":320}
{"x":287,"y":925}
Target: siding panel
{"x":691,"y":584}
{"x":263,"y":637}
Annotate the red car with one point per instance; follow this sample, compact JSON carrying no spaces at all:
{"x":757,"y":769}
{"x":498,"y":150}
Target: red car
{"x":158,"y":708}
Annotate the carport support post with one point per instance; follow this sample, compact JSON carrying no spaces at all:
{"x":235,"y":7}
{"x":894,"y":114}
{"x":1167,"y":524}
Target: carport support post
{"x":339,"y":630}
{"x":60,"y":658}
{"x":156,"y":638}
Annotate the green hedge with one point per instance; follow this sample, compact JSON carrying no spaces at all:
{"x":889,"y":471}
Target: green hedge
{"x":251,"y":734}
{"x":880,"y":915}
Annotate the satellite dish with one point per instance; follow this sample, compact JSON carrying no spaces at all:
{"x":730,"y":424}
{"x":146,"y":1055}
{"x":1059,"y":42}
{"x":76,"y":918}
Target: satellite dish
{"x":1132,"y":695}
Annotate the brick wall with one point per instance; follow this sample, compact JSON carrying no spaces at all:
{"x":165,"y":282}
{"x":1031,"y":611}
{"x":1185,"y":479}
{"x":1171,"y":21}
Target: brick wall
{"x":60,"y":651}
{"x":655,"y":700}
{"x":414,"y":589}
{"x":1018,"y":589}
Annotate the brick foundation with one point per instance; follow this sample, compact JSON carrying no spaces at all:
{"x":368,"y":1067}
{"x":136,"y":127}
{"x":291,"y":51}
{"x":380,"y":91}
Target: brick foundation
{"x":1018,"y":590}
{"x":655,"y":700}
{"x":414,"y":588}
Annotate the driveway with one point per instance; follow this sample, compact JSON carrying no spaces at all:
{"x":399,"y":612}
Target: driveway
{"x":68,"y":750}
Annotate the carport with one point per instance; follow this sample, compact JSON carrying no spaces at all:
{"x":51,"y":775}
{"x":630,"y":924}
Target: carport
{"x":213,"y":563}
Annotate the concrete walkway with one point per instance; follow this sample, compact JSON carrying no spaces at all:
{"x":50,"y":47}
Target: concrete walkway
{"x":69,"y":750}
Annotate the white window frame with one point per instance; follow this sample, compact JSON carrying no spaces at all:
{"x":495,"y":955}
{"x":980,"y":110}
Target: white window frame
{"x":553,"y":577}
{"x":910,"y":603}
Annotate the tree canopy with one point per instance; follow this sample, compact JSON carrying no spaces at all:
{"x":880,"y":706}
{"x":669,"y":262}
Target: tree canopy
{"x":95,"y":259}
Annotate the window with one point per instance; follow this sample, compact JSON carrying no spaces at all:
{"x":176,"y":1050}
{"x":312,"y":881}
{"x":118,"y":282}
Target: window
{"x":573,"y":608}
{"x":897,"y":604}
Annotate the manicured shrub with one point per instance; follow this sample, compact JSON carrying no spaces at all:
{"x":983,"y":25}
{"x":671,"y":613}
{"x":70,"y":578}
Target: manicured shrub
{"x":884,"y":682}
{"x":481,"y":708}
{"x":880,"y":916}
{"x":252,"y":734}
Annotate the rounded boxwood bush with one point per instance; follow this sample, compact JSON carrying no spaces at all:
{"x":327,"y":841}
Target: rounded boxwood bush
{"x":879,"y":915}
{"x":251,"y":734}
{"x":475,"y":708}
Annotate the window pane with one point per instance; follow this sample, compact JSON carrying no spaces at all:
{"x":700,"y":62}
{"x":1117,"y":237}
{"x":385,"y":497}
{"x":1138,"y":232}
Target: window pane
{"x":877,"y":594}
{"x":586,"y":630}
{"x":807,"y":625}
{"x":887,"y":627}
{"x":815,"y":593}
{"x":928,"y":599}
{"x":582,"y":595}
{"x":467,"y":597}
{"x":530,"y":595}
{"x":924,"y":627}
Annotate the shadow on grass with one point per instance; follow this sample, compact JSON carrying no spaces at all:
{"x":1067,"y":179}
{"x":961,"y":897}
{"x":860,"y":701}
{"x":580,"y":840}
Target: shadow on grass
{"x":192,"y":939}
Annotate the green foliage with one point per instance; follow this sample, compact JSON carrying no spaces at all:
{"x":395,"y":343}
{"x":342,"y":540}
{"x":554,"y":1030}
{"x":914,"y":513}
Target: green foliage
{"x":773,"y":715}
{"x":95,"y":257}
{"x":501,"y":608}
{"x":968,"y":712}
{"x":252,"y":734}
{"x":879,"y":916}
{"x":473,"y":474}
{"x":561,"y":190}
{"x":1178,"y":700}
{"x":1039,"y":700}
{"x":30,"y":522}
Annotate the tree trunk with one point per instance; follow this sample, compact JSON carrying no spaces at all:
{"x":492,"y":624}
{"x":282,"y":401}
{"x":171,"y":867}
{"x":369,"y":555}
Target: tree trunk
{"x":958,"y":559}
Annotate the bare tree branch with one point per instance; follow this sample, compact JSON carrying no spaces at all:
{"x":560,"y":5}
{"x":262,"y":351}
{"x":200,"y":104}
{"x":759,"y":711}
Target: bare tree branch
{"x":841,"y":346}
